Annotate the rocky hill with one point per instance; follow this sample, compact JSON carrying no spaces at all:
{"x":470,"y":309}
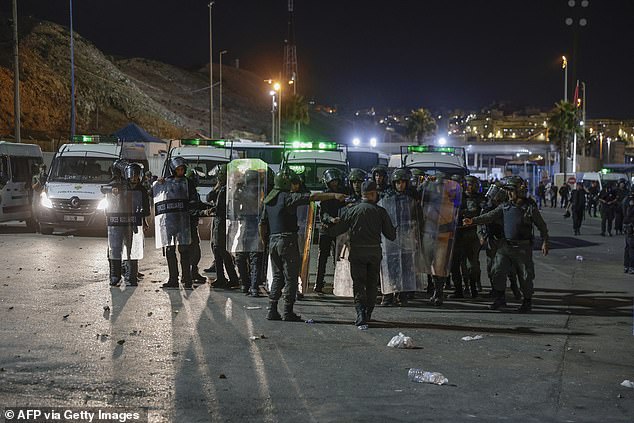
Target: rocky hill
{"x":167,"y":101}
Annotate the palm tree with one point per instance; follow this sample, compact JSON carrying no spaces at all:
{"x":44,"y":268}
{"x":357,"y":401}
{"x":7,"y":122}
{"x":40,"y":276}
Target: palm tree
{"x":420,"y":125}
{"x":563,"y":124}
{"x":297,"y":113}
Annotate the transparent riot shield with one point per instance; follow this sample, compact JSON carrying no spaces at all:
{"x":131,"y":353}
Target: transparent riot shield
{"x":440,"y":206}
{"x":342,"y":282}
{"x":246,"y":189}
{"x":171,"y":221}
{"x":125,"y":226}
{"x":402,"y":257}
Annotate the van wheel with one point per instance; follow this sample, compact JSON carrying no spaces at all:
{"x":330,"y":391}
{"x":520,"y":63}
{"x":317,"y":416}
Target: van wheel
{"x":31,"y":225}
{"x":46,"y":229}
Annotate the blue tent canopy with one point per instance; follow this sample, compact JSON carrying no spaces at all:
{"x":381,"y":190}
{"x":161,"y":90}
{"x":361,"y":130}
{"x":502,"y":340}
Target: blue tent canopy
{"x":134,"y":133}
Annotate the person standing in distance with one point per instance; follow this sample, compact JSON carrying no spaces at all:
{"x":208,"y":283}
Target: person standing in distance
{"x":518,"y":216}
{"x":278,"y":224}
{"x":366,"y":222}
{"x":578,"y":207}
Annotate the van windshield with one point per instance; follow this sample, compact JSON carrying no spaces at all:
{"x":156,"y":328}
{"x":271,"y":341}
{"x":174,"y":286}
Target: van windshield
{"x":94,"y":170}
{"x":203,"y":169}
{"x":312,"y":173}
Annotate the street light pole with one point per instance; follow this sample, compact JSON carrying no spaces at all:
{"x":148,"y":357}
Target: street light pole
{"x":272,"y":94}
{"x":16,"y":74}
{"x":72,"y":75}
{"x":220,"y":103}
{"x":565,"y":66}
{"x":211,"y":76}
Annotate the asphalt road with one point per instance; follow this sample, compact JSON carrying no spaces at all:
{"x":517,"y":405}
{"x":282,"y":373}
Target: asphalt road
{"x":70,"y":340}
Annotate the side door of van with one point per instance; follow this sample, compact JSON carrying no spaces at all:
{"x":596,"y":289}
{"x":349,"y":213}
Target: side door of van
{"x":16,"y":193}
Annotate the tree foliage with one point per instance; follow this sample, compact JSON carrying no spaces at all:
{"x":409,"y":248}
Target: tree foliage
{"x":420,"y":124}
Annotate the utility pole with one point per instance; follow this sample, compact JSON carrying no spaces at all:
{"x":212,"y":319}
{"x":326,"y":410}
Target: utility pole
{"x":16,"y":74}
{"x":211,"y":76}
{"x":220,"y":105}
{"x":289,"y":76}
{"x":72,"y":75}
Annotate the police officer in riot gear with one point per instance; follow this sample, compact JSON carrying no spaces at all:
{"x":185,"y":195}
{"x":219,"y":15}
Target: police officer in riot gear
{"x":133,"y":174}
{"x":115,"y":185}
{"x":278,"y":224}
{"x":194,"y":250}
{"x":223,"y":260}
{"x":466,"y":258}
{"x":379,"y":176}
{"x":518,"y":216}
{"x":178,"y":168}
{"x":628,"y":228}
{"x":329,"y":214}
{"x":366,"y":222}
{"x":492,"y":233}
{"x":356,"y":178}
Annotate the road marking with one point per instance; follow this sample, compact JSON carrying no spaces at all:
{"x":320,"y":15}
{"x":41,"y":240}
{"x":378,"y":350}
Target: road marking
{"x":228,"y":309}
{"x":260,"y":372}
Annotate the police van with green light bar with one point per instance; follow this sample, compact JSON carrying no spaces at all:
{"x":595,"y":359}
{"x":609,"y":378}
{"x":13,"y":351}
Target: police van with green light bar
{"x":72,"y":196}
{"x":202,"y":156}
{"x":311,"y":159}
{"x":431,"y":159}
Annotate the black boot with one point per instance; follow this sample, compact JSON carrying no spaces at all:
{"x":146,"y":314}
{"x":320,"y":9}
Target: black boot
{"x":115,"y":272}
{"x":457,"y":293}
{"x":172,"y":267}
{"x":527,"y":305}
{"x":132,"y":270}
{"x":289,"y":315}
{"x":273,"y":313}
{"x":499,"y":300}
{"x":437,"y":298}
{"x":361,"y":316}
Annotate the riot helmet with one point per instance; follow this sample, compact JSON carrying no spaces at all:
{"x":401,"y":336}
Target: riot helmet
{"x":495,"y":193}
{"x":331,"y":175}
{"x":118,"y":168}
{"x":400,"y":174}
{"x":284,"y":178}
{"x":357,"y":175}
{"x":133,"y":172}
{"x":176,"y":162}
{"x":219,"y":172}
{"x":379,"y":172}
{"x":517,"y":184}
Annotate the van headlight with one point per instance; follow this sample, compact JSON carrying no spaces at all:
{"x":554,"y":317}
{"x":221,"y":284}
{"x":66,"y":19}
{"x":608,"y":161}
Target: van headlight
{"x":103,"y":204}
{"x":45,"y":201}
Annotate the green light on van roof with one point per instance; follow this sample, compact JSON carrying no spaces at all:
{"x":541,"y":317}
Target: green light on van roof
{"x":605,"y":171}
{"x":93,"y":139}
{"x":304,"y":145}
{"x":200,"y":141}
{"x":430,"y":149}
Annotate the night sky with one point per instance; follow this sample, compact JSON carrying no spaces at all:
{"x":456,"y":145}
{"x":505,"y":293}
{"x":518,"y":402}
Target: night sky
{"x":386,"y":54}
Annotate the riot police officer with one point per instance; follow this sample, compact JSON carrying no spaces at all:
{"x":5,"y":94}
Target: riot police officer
{"x":366,"y":222}
{"x":379,"y":176}
{"x":628,"y":227}
{"x":178,"y":223}
{"x":466,"y":258}
{"x":223,"y":260}
{"x":329,"y":214}
{"x":278,"y":224}
{"x":492,"y":233}
{"x":140,"y":209}
{"x":356,"y":178}
{"x":608,"y":203}
{"x":399,"y":267}
{"x":518,"y":216}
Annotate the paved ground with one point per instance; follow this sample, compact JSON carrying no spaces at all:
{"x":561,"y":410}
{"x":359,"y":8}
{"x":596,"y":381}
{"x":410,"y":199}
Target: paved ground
{"x":188,"y":356}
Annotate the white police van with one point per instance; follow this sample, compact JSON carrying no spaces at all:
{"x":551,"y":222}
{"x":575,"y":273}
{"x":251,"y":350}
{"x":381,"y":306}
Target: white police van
{"x":72,"y":196}
{"x":311,"y":159}
{"x":431,"y":158}
{"x":18,"y":162}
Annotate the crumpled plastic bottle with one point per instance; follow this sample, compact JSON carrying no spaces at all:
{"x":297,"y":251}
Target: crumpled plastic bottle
{"x":422,"y":376}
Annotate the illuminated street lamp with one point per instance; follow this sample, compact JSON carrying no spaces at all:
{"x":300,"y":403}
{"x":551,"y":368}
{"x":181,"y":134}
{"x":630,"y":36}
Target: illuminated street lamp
{"x":564,"y":66}
{"x":442,"y":141}
{"x":373,"y":142}
{"x":356,"y":141}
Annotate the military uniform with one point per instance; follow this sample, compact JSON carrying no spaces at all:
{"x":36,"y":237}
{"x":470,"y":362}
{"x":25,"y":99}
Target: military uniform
{"x":366,"y":222}
{"x":222,"y":258}
{"x":607,"y":199}
{"x":279,"y":217}
{"x":466,"y":257}
{"x":328,"y":212}
{"x":516,"y":249}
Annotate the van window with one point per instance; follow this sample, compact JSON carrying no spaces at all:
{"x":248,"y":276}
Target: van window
{"x":95,"y":170}
{"x":4,"y":169}
{"x":20,"y":169}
